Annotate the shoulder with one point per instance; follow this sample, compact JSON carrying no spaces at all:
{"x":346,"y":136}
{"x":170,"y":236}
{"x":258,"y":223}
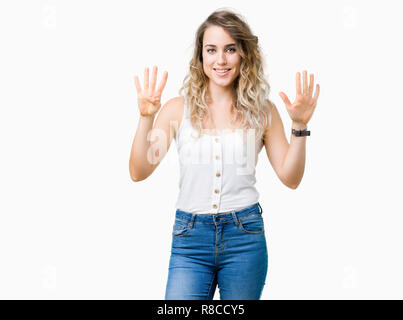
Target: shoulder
{"x":172,"y":111}
{"x":175,"y":107}
{"x":273,"y":118}
{"x":270,"y":105}
{"x":272,"y":113}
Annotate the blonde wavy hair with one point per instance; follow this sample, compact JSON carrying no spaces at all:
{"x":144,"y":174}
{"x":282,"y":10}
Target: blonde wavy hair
{"x":251,"y":90}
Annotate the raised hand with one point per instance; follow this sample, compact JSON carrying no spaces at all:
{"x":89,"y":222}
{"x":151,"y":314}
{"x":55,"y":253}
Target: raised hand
{"x":302,"y":109}
{"x":149,"y":99}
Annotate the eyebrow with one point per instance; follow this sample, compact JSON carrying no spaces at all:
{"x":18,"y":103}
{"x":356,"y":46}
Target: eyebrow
{"x":213,"y":45}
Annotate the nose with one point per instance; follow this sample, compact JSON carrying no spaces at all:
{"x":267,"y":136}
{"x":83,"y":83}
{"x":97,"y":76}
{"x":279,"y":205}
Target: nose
{"x":221,"y":58}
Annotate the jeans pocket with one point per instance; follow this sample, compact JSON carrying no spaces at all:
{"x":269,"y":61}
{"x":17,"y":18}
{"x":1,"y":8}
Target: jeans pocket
{"x":180,"y":228}
{"x":252,"y":223}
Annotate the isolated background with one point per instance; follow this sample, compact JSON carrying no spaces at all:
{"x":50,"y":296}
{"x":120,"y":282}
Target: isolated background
{"x":74,"y":226}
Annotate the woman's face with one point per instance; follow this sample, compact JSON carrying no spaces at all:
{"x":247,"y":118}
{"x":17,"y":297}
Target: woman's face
{"x":220,"y":53}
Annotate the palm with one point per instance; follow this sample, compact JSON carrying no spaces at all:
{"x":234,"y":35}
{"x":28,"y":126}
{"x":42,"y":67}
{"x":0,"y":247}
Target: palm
{"x":149,"y":102}
{"x":302,"y":108}
{"x":149,"y":99}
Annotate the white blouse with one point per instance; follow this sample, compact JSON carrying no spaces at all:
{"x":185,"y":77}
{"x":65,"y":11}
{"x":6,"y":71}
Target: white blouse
{"x":217,"y":173}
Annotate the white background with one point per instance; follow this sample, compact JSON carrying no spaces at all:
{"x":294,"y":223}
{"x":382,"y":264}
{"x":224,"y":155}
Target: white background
{"x":74,"y":226}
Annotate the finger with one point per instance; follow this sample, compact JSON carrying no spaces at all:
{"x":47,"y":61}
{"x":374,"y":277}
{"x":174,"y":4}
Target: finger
{"x":298,"y":83}
{"x":285,"y":98}
{"x":154,"y":78}
{"x":305,"y":80}
{"x":310,"y":89}
{"x":163,"y":83}
{"x":137,"y":83}
{"x":316,"y":93}
{"x":146,"y":79}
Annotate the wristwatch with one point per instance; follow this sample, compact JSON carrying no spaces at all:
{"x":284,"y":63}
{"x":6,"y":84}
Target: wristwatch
{"x":300,"y":133}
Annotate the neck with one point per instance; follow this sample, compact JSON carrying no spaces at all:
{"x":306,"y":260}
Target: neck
{"x":221,"y":96}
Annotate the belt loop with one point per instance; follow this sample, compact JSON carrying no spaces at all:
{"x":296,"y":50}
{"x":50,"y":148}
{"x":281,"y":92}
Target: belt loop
{"x":235,"y":218}
{"x":261,"y":210}
{"x":192,"y":219}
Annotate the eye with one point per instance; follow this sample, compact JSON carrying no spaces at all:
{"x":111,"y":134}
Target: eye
{"x":208,"y":50}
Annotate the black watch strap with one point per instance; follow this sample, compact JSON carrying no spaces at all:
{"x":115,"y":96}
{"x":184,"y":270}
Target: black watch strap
{"x":301,"y":133}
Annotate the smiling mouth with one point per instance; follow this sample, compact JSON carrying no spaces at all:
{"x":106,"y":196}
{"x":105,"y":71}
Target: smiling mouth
{"x":222,"y":70}
{"x":222,"y":73}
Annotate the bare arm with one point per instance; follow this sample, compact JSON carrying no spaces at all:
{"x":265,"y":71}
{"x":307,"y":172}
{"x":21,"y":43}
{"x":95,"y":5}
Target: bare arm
{"x":288,"y":159}
{"x":152,"y":140}
{"x":139,"y":166}
{"x":293,"y":166}
{"x":149,"y":102}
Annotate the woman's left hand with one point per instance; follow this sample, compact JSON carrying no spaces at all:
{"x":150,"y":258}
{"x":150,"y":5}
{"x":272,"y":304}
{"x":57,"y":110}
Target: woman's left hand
{"x":302,"y":109}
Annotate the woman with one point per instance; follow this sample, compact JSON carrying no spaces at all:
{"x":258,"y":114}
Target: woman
{"x":220,"y":125}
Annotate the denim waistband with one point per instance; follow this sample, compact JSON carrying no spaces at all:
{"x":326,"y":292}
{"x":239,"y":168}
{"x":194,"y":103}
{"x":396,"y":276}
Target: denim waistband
{"x":214,"y":217}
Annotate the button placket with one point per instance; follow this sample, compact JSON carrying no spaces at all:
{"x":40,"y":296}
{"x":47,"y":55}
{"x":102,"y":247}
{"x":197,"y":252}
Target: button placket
{"x":217,"y":165}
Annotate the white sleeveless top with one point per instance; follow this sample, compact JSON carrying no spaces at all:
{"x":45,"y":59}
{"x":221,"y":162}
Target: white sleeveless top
{"x":217,"y":173}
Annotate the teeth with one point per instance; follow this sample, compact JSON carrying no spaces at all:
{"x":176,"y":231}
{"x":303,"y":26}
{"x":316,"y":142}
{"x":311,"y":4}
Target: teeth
{"x":222,"y":71}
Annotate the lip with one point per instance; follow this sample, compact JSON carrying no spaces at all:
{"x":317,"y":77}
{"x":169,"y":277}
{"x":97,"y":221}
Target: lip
{"x":220,"y":74}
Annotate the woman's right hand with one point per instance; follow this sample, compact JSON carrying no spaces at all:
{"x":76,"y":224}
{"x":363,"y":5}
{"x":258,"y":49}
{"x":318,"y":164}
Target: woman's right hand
{"x":149,"y":99}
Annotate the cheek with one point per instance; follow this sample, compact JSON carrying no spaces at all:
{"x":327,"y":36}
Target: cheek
{"x":236,"y":62}
{"x":206,"y":67}
{"x":208,"y":62}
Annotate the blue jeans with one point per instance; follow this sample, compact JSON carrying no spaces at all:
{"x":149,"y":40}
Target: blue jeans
{"x":224,"y":249}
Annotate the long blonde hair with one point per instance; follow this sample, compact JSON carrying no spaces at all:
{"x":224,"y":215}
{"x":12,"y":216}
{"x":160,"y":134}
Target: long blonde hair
{"x":250,"y":88}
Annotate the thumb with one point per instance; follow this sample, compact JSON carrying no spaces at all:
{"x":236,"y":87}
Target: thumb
{"x":285,"y":99}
